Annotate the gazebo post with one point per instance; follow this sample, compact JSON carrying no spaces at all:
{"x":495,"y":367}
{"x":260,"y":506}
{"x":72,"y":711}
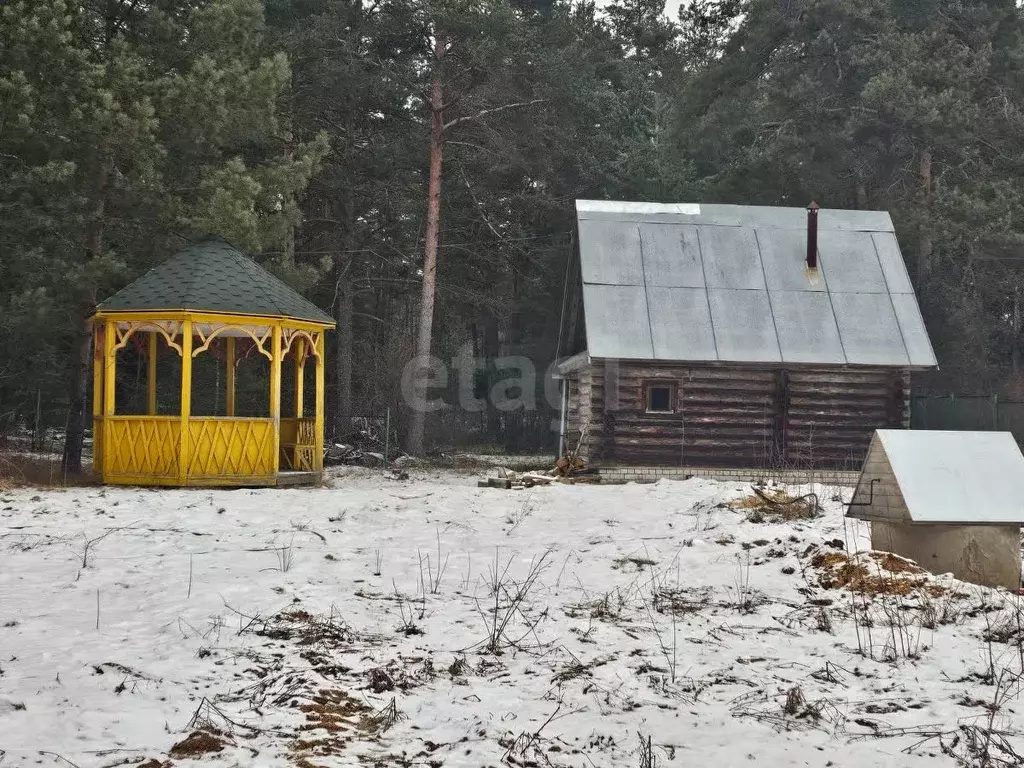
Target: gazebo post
{"x":275,"y":396}
{"x":185,"y":446}
{"x":109,"y":376}
{"x":229,"y":379}
{"x":97,"y":398}
{"x":151,"y":375}
{"x":318,"y":457}
{"x":300,"y":376}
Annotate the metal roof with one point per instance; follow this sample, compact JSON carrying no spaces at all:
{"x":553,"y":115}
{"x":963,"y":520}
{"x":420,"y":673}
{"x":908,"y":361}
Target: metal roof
{"x":212,"y":275}
{"x":955,"y":477}
{"x":703,"y":283}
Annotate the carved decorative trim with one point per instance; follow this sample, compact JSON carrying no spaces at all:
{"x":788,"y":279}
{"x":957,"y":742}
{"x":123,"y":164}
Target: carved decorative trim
{"x":311,"y":337}
{"x":169,"y":329}
{"x":259,"y":341}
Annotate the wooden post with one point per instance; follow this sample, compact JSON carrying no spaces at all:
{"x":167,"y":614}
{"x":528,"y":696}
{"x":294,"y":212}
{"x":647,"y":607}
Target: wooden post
{"x":185,"y":449}
{"x":98,"y":421}
{"x":229,"y":379}
{"x":300,"y":375}
{"x":321,"y":361}
{"x":151,"y":374}
{"x":780,"y":421}
{"x":109,"y":376}
{"x":37,"y":435}
{"x":275,"y":396}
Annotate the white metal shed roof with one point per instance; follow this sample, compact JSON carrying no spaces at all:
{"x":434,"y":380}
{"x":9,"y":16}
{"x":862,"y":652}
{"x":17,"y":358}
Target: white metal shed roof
{"x":702,"y":283}
{"x":957,"y":477}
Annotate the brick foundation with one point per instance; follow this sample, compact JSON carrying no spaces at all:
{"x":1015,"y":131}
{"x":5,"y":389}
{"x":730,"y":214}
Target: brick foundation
{"x":783,"y":476}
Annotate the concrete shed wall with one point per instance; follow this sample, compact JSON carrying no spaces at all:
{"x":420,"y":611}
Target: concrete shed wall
{"x":981,"y":554}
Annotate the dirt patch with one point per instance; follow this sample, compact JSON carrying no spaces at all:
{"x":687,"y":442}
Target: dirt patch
{"x":197,"y":744}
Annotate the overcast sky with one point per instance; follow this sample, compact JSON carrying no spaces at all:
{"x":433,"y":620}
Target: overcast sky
{"x":671,"y":7}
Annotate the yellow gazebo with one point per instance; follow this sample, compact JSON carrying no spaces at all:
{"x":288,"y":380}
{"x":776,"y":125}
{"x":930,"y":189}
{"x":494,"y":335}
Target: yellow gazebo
{"x":210,"y":295}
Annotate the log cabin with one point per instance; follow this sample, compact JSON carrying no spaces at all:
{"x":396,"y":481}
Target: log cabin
{"x":735,"y":336}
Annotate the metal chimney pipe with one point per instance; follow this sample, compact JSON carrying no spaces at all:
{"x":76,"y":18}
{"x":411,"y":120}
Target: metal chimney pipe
{"x":812,"y":235}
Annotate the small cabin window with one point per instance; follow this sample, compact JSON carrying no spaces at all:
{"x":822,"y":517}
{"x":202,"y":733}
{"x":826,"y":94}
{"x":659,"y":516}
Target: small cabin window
{"x":661,"y":398}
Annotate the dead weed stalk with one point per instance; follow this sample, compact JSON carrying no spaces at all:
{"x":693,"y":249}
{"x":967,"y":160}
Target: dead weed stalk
{"x":507,"y":601}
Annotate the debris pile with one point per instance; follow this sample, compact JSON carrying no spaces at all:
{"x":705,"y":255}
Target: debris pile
{"x":775,"y":506}
{"x":365,"y":444}
{"x":341,"y":453}
{"x":568,"y":469}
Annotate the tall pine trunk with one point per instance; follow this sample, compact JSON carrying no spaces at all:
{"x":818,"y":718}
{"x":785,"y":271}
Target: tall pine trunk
{"x":80,"y":358}
{"x":491,"y":350}
{"x":1016,"y":320}
{"x":343,"y":358}
{"x":426,"y":325}
{"x":925,"y":242}
{"x":79,"y":361}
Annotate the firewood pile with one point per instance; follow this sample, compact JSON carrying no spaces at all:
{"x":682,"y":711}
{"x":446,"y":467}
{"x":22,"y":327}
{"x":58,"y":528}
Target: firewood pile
{"x":566,"y":470}
{"x":570,"y":468}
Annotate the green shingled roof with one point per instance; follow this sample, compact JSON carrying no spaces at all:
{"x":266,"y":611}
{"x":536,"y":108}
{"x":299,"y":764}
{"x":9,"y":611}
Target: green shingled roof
{"x":212,"y":275}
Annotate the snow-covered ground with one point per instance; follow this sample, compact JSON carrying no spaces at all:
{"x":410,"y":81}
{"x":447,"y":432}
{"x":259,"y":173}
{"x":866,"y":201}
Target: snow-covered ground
{"x":430,"y":622}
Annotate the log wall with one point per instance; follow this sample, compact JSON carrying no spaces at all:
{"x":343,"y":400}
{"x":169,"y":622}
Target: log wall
{"x":738,"y":416}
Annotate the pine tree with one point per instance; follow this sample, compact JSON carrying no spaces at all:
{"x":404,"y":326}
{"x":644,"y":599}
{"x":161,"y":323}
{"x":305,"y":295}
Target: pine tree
{"x":141,"y":125}
{"x":884,"y":104}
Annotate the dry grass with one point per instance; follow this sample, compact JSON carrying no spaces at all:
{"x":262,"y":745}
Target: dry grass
{"x":609,"y":607}
{"x":637,"y":562}
{"x":325,"y":631}
{"x":197,"y":744}
{"x":753,"y":501}
{"x":335,"y":711}
{"x":829,"y":559}
{"x":333,"y":719}
{"x":895,"y":564}
{"x":19,"y":470}
{"x":874,"y":573}
{"x":680,"y":600}
{"x":775,"y":506}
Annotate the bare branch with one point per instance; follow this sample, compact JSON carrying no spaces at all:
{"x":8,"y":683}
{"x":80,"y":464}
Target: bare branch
{"x":491,"y":111}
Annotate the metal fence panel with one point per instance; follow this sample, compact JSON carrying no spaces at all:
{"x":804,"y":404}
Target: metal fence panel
{"x":968,"y":412}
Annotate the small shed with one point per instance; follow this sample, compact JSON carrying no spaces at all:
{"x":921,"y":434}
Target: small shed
{"x":210,"y":298}
{"x":740,"y":336}
{"x":950,"y":501}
